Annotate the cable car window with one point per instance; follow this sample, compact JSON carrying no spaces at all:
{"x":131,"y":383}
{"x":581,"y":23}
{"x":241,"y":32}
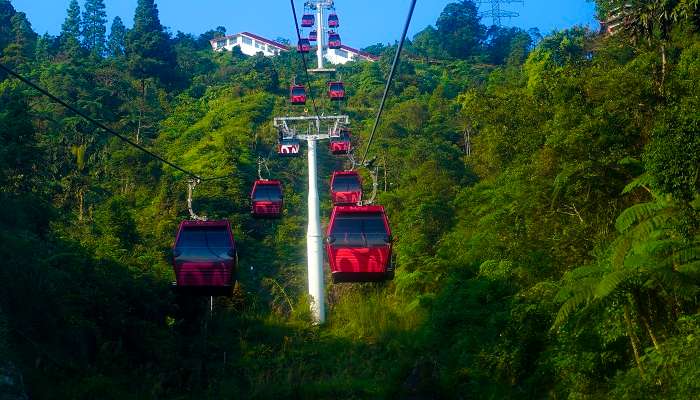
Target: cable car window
{"x":267,"y":193}
{"x":346,"y":183}
{"x":359,"y":230}
{"x":336,"y":87}
{"x":298,"y":91}
{"x":204,"y":237}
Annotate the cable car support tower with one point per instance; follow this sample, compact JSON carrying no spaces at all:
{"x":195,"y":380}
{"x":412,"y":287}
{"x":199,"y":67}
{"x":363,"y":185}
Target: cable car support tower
{"x":320,"y":6}
{"x":314,"y":236}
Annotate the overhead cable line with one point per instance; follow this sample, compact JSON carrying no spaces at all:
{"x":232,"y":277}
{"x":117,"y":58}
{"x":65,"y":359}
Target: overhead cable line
{"x":106,"y":128}
{"x":303,"y":59}
{"x":390,"y":79}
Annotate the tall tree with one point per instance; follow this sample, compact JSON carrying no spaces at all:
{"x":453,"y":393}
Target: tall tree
{"x":148,"y":46}
{"x":427,"y":44}
{"x":117,"y":36}
{"x":94,"y":26}
{"x":460,"y":29}
{"x":6,"y":14}
{"x":70,"y":30}
{"x":21,"y":49}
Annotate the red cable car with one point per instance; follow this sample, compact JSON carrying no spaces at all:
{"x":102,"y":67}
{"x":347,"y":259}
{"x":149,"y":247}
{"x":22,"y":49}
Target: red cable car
{"x":205,"y":258}
{"x":266,"y":199}
{"x":359,"y":244}
{"x":346,"y":188}
{"x":297,"y":95}
{"x":289,"y":147}
{"x":334,"y":40}
{"x":340,"y":143}
{"x":304,"y":46}
{"x":333,"y":21}
{"x":308,"y":20}
{"x":336,"y":91}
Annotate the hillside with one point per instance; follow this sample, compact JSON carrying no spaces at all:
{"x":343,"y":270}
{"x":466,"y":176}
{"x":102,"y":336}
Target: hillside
{"x":543,"y":193}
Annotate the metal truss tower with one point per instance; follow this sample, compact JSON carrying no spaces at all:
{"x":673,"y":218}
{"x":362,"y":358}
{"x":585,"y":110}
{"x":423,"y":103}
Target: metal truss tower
{"x":497,"y":12}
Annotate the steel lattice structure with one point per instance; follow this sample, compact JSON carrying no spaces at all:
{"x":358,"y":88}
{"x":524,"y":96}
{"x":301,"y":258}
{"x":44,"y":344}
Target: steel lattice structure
{"x":497,"y":12}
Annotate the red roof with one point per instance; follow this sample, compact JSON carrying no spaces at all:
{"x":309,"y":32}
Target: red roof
{"x":256,"y":37}
{"x":360,"y":52}
{"x":268,"y":41}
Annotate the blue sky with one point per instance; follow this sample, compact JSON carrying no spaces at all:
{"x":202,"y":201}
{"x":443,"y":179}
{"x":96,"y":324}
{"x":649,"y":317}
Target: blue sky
{"x":363,"y":22}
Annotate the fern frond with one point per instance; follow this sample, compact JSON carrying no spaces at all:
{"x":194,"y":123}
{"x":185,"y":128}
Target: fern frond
{"x":643,"y":181}
{"x":584,"y":272}
{"x":691,"y":269}
{"x":638,"y":213}
{"x":583,"y":296}
{"x":620,"y":249}
{"x":611,"y":282}
{"x":652,"y":227}
{"x":656,"y":248}
{"x":687,"y":255}
{"x":560,"y":182}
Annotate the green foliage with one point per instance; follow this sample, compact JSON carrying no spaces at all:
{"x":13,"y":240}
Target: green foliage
{"x":147,"y":45}
{"x":459,"y":29}
{"x":94,"y":28}
{"x":543,"y":198}
{"x":117,"y":37}
{"x":70,"y":30}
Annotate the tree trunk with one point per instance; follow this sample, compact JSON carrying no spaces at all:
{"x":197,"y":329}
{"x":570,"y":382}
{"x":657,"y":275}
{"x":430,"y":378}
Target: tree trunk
{"x":634,"y":340}
{"x":663,"y":64}
{"x":141,"y":110}
{"x":81,"y":204}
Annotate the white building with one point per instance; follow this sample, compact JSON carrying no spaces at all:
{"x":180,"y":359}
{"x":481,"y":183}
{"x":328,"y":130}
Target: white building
{"x":345,"y":54}
{"x":249,"y":44}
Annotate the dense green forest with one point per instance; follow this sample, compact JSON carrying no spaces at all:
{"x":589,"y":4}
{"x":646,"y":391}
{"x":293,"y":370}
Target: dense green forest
{"x":543,"y":192}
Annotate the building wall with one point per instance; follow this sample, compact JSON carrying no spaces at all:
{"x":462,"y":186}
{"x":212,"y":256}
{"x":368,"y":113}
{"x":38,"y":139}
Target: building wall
{"x":339,"y":56}
{"x":248,"y":46}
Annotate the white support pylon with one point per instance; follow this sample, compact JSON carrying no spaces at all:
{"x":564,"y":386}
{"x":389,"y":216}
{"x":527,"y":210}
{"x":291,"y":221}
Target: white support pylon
{"x":314,"y":236}
{"x":314,"y":241}
{"x":320,"y":6}
{"x":321,"y":36}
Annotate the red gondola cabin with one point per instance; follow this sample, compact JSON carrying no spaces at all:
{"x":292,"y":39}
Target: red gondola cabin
{"x":346,"y":188}
{"x":359,"y":244}
{"x":336,"y":91}
{"x":333,"y":20}
{"x":304,"y":46}
{"x":266,"y":199}
{"x":313,"y":36}
{"x":340,"y":143}
{"x":297,"y":95}
{"x":334,"y":40}
{"x":308,"y":20}
{"x":205,"y":258}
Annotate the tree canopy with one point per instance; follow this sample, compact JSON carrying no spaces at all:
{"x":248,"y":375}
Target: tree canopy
{"x":543,"y":194}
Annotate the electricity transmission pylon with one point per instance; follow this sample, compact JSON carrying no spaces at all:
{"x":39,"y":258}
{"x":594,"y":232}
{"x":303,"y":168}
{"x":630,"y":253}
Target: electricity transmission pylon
{"x":497,"y":12}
